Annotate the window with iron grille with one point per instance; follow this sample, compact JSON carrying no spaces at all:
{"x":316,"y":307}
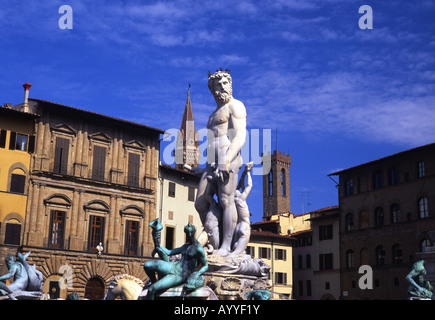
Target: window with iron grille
{"x":57,"y":229}
{"x":132,"y":237}
{"x":96,"y":232}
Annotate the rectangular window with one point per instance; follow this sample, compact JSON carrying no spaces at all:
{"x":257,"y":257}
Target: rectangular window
{"x":21,"y":142}
{"x":325,"y":261}
{"x":308,"y":288}
{"x":132,"y":236}
{"x":251,"y":251}
{"x":301,"y":288}
{"x":99,"y":165}
{"x":421,"y":169}
{"x":325,"y":232}
{"x":191,"y":196}
{"x":133,"y":169}
{"x":264,"y":253}
{"x":18,"y":182}
{"x":96,"y":232}
{"x":171,"y":215}
{"x":61,"y":156}
{"x":3,"y":138}
{"x":12,"y":139}
{"x":171,"y":191}
{"x":394,"y":176}
{"x":57,"y":229}
{"x":13,"y":233}
{"x":280,"y":254}
{"x":169,"y":240}
{"x":280,"y":278}
{"x":349,"y":187}
{"x":377,"y":180}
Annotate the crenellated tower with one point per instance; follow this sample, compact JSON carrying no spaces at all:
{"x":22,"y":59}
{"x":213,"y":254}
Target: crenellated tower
{"x":276,"y":183}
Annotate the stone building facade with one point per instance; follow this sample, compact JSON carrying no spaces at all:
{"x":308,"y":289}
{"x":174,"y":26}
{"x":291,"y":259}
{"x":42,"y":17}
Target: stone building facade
{"x":93,"y":180}
{"x":387,"y":216}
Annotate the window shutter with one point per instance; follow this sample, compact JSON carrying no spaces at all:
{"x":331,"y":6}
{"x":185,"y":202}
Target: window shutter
{"x":18,"y":182}
{"x":133,"y":169}
{"x":3,"y":138}
{"x":171,"y":189}
{"x":31,"y":148}
{"x":12,"y":140}
{"x":191,"y":196}
{"x":99,"y":164}
{"x":12,"y":234}
{"x":61,"y":155}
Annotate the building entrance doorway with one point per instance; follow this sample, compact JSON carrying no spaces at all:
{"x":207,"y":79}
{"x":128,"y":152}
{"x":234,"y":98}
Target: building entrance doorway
{"x":94,"y":289}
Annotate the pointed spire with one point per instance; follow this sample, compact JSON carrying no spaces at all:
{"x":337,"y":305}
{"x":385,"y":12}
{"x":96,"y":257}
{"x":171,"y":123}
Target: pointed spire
{"x":188,"y":113}
{"x":187,"y":139}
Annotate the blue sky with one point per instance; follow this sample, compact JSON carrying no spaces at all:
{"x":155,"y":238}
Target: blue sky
{"x":337,"y":95}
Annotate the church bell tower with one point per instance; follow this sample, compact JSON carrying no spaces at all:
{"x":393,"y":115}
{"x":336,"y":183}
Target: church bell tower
{"x":187,"y":146}
{"x":276,"y":183}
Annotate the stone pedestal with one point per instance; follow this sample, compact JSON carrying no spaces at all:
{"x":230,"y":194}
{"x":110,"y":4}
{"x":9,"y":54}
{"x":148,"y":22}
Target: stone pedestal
{"x":178,"y":293}
{"x":232,"y":277}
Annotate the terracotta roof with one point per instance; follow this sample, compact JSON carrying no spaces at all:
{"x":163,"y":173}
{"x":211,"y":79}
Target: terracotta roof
{"x":301,"y":232}
{"x":17,"y":112}
{"x":325,"y":209}
{"x":265,"y":222}
{"x":181,"y":171}
{"x":268,"y":234}
{"x":101,"y":115}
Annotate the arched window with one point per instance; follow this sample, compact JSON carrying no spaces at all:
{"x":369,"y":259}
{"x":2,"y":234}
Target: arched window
{"x":349,"y":259}
{"x":270,"y":183}
{"x":423,"y":208}
{"x":379,"y":216}
{"x":424,"y":244}
{"x":364,"y":256}
{"x":395,"y":213}
{"x":380,"y":255}
{"x":349,"y":222}
{"x":397,"y":253}
{"x":363,"y":219}
{"x":13,"y":232}
{"x":283,"y":191}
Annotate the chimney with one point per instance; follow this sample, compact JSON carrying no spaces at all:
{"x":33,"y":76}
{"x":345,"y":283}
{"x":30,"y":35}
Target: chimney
{"x":26,"y":87}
